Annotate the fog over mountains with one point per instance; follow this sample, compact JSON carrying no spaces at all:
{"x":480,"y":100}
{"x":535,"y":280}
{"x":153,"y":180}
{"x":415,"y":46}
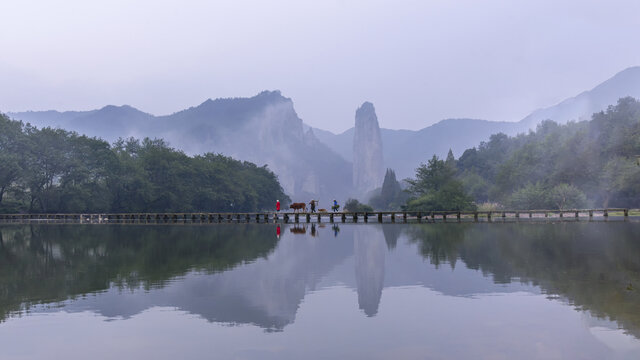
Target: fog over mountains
{"x":404,"y":150}
{"x":263,"y":129}
{"x":310,"y":162}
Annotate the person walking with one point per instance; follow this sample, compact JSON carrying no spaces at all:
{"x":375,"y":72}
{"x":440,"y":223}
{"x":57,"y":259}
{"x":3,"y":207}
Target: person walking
{"x":313,"y":206}
{"x":335,"y":206}
{"x":278,"y":205}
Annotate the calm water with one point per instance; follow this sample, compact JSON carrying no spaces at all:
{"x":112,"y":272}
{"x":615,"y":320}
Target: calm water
{"x":238,"y":291}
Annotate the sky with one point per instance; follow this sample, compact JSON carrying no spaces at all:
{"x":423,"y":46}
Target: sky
{"x":417,"y":61}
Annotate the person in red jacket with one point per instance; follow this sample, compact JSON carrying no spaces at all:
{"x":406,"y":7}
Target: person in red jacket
{"x":278,"y":205}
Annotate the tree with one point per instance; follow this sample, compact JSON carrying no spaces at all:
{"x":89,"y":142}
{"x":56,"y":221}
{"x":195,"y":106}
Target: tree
{"x":353,"y":205}
{"x":391,"y":196}
{"x":11,"y":158}
{"x":436,"y":188}
{"x":566,"y":196}
{"x":430,"y":177}
{"x":529,"y":197}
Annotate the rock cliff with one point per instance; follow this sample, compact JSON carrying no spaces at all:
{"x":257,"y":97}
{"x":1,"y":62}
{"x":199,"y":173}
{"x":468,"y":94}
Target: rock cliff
{"x":368,"y":168}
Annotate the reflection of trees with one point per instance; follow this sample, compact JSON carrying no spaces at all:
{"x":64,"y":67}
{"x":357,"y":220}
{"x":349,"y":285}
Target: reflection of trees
{"x":52,"y":263}
{"x":391,"y":234}
{"x":591,"y":264}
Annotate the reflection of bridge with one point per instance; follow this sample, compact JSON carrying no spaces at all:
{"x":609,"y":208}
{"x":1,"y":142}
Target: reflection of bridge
{"x":374,"y":216}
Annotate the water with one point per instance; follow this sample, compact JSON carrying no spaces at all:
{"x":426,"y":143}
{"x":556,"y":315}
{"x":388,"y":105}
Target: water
{"x":568,"y":290}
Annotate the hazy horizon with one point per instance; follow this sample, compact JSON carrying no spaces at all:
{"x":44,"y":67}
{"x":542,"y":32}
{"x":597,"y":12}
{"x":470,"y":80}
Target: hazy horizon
{"x":417,"y":62}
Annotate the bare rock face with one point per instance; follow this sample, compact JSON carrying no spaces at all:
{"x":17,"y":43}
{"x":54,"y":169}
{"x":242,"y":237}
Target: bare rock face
{"x":367,"y":150}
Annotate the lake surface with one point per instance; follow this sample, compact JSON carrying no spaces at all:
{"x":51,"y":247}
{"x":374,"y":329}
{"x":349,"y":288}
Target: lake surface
{"x":525,"y":290}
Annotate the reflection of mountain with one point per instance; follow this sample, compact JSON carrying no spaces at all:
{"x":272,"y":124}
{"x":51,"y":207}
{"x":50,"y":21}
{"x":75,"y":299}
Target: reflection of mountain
{"x":265,"y":292}
{"x":239,"y":274}
{"x":369,"y":249}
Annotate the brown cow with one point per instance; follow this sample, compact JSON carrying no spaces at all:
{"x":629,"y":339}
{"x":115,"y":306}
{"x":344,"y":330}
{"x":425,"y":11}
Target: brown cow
{"x":298,"y":206}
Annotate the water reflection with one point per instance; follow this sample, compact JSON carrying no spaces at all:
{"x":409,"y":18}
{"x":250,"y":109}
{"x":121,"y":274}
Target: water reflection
{"x":243,"y":274}
{"x":369,"y":248}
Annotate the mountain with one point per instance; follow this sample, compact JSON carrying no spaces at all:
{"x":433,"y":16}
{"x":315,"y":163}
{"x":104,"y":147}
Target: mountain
{"x":263,"y":129}
{"x":367,"y":150}
{"x":580,"y":107}
{"x":404,"y":150}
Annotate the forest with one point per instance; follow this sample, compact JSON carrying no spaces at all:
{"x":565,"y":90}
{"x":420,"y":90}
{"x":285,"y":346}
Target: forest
{"x":577,"y":165}
{"x":55,"y":171}
{"x":580,"y":164}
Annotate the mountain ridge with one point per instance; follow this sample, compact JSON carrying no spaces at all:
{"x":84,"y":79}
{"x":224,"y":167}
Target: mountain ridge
{"x":404,"y":150}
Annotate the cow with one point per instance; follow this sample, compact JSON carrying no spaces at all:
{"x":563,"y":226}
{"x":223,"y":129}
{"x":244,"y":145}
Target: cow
{"x":298,"y":206}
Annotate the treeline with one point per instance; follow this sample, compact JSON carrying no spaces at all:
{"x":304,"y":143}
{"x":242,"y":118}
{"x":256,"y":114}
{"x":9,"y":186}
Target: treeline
{"x":53,"y":170}
{"x":581,"y":164}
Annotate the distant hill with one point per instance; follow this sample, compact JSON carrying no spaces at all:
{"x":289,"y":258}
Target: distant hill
{"x":404,"y":150}
{"x":583,"y":105}
{"x":263,"y":129}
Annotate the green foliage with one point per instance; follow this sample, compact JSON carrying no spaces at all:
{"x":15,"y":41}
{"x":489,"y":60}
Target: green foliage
{"x":353,"y":205}
{"x":436,"y":188}
{"x":530,"y":196}
{"x":391,"y":196}
{"x":565,"y":196}
{"x":450,"y":197}
{"x":560,"y":166}
{"x":52,"y":170}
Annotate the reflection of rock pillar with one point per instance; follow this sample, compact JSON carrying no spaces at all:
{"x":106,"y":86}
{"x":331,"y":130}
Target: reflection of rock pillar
{"x":369,"y":249}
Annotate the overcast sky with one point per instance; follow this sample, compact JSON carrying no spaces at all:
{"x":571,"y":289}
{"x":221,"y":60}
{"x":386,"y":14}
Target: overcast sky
{"x":417,"y":61}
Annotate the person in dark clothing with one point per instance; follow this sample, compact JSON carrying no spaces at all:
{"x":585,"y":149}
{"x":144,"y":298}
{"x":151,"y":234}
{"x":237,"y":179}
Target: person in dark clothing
{"x":313,"y":205}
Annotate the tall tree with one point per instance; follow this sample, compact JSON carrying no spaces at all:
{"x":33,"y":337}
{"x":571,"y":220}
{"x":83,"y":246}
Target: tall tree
{"x":436,"y":188}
